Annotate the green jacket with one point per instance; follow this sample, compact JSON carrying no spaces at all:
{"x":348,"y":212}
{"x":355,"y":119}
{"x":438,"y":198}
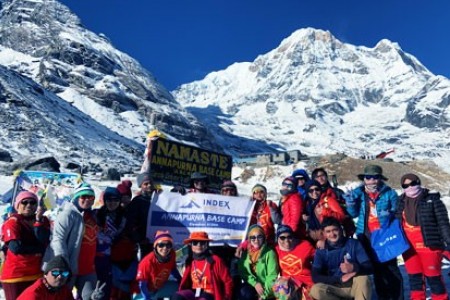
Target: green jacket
{"x":266,"y":270}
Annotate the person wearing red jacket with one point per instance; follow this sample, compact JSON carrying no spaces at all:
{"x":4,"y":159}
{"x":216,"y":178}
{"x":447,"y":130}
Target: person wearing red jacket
{"x":206,"y":277}
{"x":319,"y":205}
{"x":154,"y":269}
{"x":292,"y":207}
{"x":265,"y":213}
{"x":53,"y":285}
{"x":26,"y":235}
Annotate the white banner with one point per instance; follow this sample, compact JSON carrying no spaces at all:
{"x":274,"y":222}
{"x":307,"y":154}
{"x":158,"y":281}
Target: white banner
{"x":224,"y":218}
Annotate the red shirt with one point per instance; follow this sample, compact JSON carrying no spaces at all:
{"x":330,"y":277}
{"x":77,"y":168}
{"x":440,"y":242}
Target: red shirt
{"x":373,"y":223}
{"x":38,"y":291}
{"x":155,"y":273}
{"x":21,"y":267}
{"x":201,"y":276}
{"x":297,"y":263}
{"x":86,"y":261}
{"x":261,"y":216}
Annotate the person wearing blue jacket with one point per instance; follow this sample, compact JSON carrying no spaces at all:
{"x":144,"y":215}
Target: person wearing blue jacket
{"x":341,"y":269}
{"x":374,"y":203}
{"x":302,"y":177}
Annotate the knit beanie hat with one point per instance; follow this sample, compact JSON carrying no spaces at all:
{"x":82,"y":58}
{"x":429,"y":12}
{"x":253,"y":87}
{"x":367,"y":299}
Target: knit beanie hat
{"x":111,"y":194}
{"x":411,"y":177}
{"x":124,"y":188}
{"x":143,"y":177}
{"x":284,"y":229}
{"x":162,"y":236}
{"x":83,"y":189}
{"x":259,"y":187}
{"x":22,"y":196}
{"x":57,"y":262}
{"x":228,"y":184}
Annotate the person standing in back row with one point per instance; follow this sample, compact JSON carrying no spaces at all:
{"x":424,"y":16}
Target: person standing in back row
{"x":375,"y":203}
{"x":424,"y":219}
{"x":136,"y":214}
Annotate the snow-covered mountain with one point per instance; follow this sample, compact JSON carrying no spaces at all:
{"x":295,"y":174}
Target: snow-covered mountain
{"x":44,"y":41}
{"x":320,"y":95}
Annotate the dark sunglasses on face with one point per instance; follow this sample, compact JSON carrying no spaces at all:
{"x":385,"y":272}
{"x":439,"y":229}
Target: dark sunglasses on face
{"x":314,"y":190}
{"x":286,"y":237}
{"x":164,"y":245}
{"x":376,"y":177}
{"x":254,"y":237}
{"x":407,"y":185}
{"x":286,"y":184}
{"x":56,"y":273}
{"x":31,"y":202}
{"x":199,"y":243}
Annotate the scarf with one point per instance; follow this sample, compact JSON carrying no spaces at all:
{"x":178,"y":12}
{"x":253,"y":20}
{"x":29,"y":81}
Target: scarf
{"x":413,"y":191}
{"x":412,"y":203}
{"x":254,"y":254}
{"x":371,"y":188}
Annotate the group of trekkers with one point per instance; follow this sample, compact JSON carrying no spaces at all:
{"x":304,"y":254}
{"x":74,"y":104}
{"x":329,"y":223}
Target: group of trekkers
{"x":304,"y":246}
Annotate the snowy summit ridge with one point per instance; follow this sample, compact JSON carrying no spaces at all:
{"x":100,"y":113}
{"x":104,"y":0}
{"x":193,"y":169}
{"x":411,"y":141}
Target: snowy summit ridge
{"x":320,"y":95}
{"x":45,"y":42}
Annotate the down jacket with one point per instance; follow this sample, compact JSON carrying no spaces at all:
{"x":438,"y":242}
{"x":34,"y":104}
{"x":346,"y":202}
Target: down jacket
{"x":433,"y":219}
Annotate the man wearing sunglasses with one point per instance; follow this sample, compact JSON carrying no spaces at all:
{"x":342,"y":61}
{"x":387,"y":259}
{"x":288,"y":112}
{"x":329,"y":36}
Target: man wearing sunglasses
{"x":374,"y":203}
{"x":424,"y":219}
{"x":53,"y":285}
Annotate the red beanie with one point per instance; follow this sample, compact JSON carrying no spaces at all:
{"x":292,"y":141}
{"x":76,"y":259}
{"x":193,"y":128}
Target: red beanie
{"x":125,"y":187}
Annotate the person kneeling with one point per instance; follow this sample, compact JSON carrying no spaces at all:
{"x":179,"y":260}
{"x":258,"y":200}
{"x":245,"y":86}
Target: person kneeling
{"x":341,"y":269}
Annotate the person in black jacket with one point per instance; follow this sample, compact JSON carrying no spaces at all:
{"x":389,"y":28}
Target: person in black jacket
{"x":136,"y":214}
{"x":425,"y":221}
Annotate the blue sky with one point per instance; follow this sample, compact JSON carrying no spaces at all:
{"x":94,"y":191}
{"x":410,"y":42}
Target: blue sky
{"x":180,"y":41}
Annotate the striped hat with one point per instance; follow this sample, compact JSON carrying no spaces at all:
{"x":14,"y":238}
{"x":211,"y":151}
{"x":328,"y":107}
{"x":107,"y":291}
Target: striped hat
{"x":83,"y":189}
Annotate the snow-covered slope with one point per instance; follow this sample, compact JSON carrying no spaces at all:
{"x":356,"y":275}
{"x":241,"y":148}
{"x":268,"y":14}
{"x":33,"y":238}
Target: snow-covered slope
{"x":43,"y":40}
{"x":319,"y":95}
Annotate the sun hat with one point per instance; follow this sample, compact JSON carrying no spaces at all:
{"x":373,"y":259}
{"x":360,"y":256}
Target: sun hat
{"x":197,"y":236}
{"x":372,"y":170}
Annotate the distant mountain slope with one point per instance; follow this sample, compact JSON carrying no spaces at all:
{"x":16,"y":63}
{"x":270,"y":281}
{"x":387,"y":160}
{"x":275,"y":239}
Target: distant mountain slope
{"x":43,"y":40}
{"x":319,"y":95}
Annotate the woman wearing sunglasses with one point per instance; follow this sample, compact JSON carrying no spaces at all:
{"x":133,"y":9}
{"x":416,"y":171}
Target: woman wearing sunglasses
{"x":258,"y":267}
{"x":53,"y":285}
{"x":206,"y":276}
{"x":425,"y":221}
{"x":26,"y":235}
{"x":155,"y":268}
{"x":320,"y":205}
{"x":295,"y":259}
{"x":292,"y":207}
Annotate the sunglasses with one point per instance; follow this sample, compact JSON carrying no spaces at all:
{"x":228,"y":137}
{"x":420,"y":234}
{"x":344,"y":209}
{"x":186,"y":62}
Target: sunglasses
{"x":57,"y":273}
{"x":314,"y":190}
{"x":25,"y":203}
{"x":407,"y":185}
{"x":164,"y":245}
{"x":198,"y":243}
{"x":372,"y":177}
{"x":256,"y":237}
{"x":286,"y":237}
{"x":289,"y":185}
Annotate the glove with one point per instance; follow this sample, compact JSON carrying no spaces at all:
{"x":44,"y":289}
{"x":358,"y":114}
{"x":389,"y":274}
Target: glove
{"x":98,"y":293}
